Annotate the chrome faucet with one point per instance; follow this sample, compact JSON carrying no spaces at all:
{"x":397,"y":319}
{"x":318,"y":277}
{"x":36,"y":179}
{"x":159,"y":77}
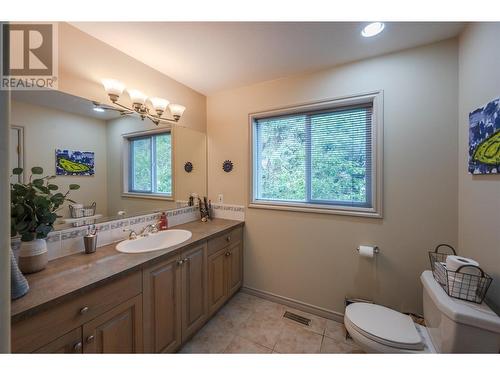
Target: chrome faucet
{"x":149,"y":229}
{"x":132,"y":235}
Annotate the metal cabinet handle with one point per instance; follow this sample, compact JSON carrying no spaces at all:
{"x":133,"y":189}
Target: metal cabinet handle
{"x":77,"y":347}
{"x":228,"y":253}
{"x":90,"y":339}
{"x":84,"y":310}
{"x":185,"y":260}
{"x":228,"y":238}
{"x":179,"y":262}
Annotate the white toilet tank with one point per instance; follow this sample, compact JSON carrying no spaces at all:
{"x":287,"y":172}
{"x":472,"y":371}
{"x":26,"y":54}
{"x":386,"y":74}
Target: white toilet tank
{"x":457,"y":326}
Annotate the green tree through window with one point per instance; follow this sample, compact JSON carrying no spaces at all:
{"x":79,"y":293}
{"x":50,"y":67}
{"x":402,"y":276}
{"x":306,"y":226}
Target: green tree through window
{"x":151,"y":164}
{"x":315,"y":157}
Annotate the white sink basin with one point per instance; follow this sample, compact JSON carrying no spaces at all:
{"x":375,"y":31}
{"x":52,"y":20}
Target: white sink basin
{"x":154,"y":242}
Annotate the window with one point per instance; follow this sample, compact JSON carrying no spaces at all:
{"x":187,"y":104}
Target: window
{"x":150,"y":164}
{"x":320,"y":157}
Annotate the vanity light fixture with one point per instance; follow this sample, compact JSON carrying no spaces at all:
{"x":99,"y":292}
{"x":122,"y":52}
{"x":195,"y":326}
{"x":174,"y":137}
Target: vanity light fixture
{"x":150,"y":108}
{"x":98,"y":109}
{"x":373,"y":29}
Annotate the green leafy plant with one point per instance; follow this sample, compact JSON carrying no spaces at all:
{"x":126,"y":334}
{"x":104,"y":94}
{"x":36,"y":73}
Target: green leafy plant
{"x":33,"y":205}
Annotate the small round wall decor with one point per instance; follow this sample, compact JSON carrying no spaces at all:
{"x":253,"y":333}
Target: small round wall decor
{"x":227,"y":166}
{"x":188,"y":167}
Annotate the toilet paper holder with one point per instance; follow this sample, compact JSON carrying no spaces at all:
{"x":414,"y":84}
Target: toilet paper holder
{"x":376,"y":249}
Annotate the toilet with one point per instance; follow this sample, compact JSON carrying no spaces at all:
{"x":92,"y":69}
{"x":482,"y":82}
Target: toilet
{"x":452,"y":325}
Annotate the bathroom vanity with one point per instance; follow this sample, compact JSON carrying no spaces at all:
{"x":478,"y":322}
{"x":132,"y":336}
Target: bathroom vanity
{"x":112,"y":302}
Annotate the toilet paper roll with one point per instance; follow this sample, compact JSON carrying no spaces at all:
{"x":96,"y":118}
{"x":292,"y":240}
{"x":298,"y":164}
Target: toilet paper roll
{"x":366,"y":251}
{"x":453,"y":262}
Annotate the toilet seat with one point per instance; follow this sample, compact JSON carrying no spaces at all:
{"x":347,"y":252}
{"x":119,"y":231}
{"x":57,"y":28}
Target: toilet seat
{"x":385,"y":327}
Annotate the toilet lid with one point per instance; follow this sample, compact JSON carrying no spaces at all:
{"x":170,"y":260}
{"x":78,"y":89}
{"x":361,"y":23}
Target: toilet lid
{"x":384,"y":325}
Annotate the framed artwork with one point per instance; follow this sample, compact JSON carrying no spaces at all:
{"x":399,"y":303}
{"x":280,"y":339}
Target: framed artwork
{"x":484,"y":139}
{"x":74,"y":163}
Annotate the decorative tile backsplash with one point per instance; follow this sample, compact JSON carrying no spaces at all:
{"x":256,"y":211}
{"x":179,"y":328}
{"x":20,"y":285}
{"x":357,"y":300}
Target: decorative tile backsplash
{"x":70,"y":241}
{"x":228,"y":211}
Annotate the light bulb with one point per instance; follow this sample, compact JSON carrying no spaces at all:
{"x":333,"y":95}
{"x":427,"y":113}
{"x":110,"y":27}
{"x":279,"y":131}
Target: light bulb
{"x":113,"y":87}
{"x":372,"y":29}
{"x":137,"y":97}
{"x":176,"y":110}
{"x":159,"y":105}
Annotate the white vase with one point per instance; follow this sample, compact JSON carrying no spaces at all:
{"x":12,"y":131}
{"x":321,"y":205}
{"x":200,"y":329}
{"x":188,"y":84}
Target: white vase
{"x":33,"y":256}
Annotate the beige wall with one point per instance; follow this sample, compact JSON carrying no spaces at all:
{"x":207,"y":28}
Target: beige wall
{"x":47,"y":129}
{"x":190,"y":145}
{"x":84,"y":61}
{"x":312,"y":257}
{"x":479,"y":196}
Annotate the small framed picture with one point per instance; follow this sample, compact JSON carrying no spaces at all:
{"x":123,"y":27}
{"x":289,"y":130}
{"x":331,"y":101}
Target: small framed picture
{"x":74,"y":163}
{"x":484,"y":139}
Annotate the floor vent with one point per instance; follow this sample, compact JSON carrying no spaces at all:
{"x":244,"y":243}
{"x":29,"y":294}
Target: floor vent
{"x":297,"y":318}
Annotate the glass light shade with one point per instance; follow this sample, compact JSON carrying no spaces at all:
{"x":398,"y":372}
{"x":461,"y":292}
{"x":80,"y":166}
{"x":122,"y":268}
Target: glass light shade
{"x":113,"y":87}
{"x":137,"y":97}
{"x":176,"y":110}
{"x":159,"y":104}
{"x":372,"y":29}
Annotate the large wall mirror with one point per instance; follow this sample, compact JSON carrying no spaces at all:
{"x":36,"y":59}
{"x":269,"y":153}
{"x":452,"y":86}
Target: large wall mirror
{"x":126,"y":165}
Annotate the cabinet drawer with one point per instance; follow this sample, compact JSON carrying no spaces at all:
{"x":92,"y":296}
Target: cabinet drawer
{"x":35,"y":331}
{"x":225,"y":239}
{"x":69,"y":343}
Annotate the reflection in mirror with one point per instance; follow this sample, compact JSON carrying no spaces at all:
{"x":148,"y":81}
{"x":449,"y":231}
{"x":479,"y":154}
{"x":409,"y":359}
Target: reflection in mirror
{"x":125,"y":165}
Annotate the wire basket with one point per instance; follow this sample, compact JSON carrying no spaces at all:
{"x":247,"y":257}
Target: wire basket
{"x":468,"y":283}
{"x":78,"y":211}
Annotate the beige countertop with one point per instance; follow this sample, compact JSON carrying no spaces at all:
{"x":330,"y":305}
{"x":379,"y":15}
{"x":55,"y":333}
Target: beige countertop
{"x":74,"y":274}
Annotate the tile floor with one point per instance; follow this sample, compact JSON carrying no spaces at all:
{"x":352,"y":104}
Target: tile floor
{"x":248,"y":324}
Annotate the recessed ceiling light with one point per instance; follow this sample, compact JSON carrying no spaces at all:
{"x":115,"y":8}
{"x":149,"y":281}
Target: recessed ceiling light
{"x":372,"y":29}
{"x":98,"y":109}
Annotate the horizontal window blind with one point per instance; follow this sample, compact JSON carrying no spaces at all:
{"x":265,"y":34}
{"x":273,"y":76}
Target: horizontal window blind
{"x":321,"y":157}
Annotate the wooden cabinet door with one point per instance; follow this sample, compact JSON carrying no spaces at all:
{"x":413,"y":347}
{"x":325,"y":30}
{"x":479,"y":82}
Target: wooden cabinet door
{"x":116,"y":331}
{"x":235,"y":267}
{"x":217,"y":280}
{"x":162,"y":306}
{"x":69,"y":343}
{"x":194,"y":289}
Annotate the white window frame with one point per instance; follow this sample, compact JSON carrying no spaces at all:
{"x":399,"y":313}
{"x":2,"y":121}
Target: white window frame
{"x":126,"y":165}
{"x":376,"y":189}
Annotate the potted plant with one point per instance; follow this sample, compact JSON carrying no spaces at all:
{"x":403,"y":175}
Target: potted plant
{"x":33,"y":212}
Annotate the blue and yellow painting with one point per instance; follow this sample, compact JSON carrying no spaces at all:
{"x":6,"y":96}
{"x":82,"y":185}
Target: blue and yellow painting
{"x":74,"y":163}
{"x":484,"y":139}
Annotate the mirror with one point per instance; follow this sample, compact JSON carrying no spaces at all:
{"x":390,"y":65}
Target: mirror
{"x":126,"y":165}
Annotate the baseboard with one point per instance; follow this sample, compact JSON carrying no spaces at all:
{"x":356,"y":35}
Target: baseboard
{"x":316,"y":310}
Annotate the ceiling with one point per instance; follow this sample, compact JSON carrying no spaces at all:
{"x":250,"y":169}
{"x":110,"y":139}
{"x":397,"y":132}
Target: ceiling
{"x":63,"y":102}
{"x":214,"y":56}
